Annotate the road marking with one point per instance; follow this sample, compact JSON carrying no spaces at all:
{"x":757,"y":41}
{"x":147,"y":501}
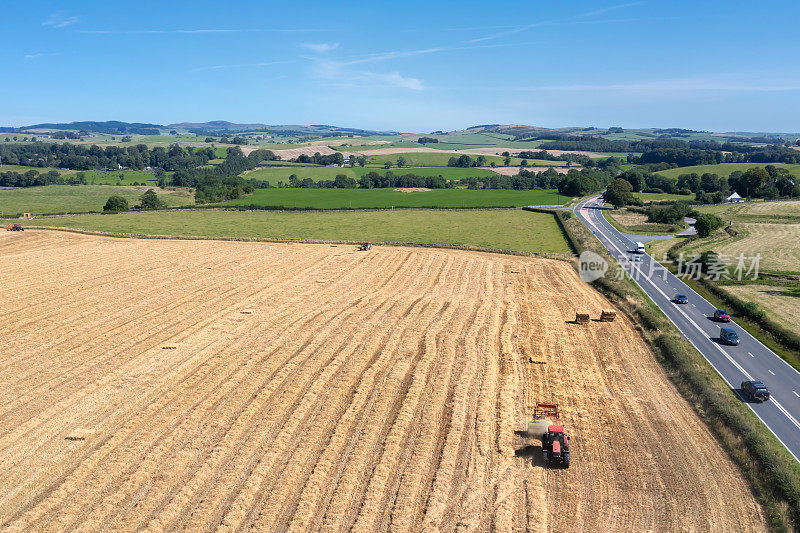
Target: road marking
{"x":694,"y":305}
{"x":750,"y":354}
{"x":798,"y":395}
{"x":771,"y":372}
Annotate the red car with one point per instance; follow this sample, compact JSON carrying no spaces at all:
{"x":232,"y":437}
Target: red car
{"x":721,"y":316}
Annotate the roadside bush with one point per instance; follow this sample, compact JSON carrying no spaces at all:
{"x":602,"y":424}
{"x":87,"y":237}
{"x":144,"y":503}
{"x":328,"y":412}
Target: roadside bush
{"x":707,"y":224}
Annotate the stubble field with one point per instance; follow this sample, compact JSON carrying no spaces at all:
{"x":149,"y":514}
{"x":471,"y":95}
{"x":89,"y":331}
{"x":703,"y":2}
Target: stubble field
{"x":219,"y":385}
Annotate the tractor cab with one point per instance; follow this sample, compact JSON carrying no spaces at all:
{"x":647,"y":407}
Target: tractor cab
{"x":555,"y":446}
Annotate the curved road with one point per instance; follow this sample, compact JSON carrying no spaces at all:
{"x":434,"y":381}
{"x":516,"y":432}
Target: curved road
{"x":750,"y":360}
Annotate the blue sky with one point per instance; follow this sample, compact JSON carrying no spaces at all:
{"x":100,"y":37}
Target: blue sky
{"x":405,"y":65}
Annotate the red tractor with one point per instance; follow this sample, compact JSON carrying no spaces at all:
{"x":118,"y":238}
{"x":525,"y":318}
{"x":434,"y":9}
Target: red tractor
{"x":555,"y":443}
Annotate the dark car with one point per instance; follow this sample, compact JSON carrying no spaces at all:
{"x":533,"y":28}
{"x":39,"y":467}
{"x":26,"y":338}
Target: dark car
{"x":721,"y":316}
{"x":755,"y":390}
{"x":681,"y":299}
{"x":729,"y":337}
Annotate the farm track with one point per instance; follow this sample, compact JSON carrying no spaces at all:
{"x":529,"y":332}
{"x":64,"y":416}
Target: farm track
{"x":218,"y":385}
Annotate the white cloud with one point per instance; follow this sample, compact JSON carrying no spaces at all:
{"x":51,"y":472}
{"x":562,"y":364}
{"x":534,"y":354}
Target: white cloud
{"x":320,"y":48}
{"x":59,"y":20}
{"x":33,"y":56}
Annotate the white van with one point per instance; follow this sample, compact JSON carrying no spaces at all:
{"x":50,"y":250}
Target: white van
{"x":640,"y":248}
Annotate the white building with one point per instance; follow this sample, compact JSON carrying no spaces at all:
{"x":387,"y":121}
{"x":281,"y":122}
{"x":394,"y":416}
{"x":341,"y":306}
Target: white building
{"x":734,"y":199}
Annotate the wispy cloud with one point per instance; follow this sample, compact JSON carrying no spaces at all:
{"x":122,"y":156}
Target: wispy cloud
{"x":573,"y":20}
{"x":713,"y":84}
{"x":201,"y":31}
{"x":610,"y":8}
{"x":37,"y":55}
{"x":320,"y":48}
{"x":338,"y":73}
{"x":59,"y":20}
{"x":240,"y":65}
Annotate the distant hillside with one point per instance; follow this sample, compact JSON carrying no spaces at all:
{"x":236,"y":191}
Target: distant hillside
{"x":223,"y":126}
{"x":110,"y":126}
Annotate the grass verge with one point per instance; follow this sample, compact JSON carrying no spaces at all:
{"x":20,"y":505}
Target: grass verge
{"x":772,"y":472}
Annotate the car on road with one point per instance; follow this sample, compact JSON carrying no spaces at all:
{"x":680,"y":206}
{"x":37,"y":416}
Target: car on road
{"x":721,"y":315}
{"x":640,"y":248}
{"x":681,"y":299}
{"x":729,"y":337}
{"x":636,"y":258}
{"x":755,"y":390}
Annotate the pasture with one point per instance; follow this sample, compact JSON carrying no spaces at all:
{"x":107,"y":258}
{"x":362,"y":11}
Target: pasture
{"x":387,"y":198}
{"x":516,"y":230}
{"x":724,"y":169}
{"x":274,"y":174}
{"x":648,"y":197}
{"x":57,"y":199}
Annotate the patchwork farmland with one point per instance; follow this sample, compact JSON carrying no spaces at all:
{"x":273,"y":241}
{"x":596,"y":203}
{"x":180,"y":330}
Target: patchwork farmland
{"x":164,"y":384}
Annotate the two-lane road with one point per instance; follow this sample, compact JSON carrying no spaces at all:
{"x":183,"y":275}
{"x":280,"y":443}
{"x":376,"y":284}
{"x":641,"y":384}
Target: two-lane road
{"x":750,"y":360}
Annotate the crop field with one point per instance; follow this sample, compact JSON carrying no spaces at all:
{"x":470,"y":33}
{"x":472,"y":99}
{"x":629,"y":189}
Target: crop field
{"x":724,"y":169}
{"x":274,"y":174}
{"x":308,"y":387}
{"x":780,"y":303}
{"x":434,"y":159}
{"x":778,"y":245}
{"x":57,"y":199}
{"x":783,"y":211}
{"x":369,"y":198}
{"x":507,"y":229}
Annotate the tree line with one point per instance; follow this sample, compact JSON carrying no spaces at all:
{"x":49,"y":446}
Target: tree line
{"x":767,"y":182}
{"x":81,"y":157}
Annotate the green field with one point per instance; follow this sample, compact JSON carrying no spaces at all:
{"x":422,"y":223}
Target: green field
{"x":659,"y":197}
{"x":509,"y":230}
{"x":95,"y":177}
{"x":382,"y":198}
{"x":112,"y":177}
{"x":275,"y":174}
{"x":56,"y":199}
{"x":724,"y":169}
{"x":23,"y":169}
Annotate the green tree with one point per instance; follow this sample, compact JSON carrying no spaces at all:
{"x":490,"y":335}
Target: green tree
{"x":707,"y":224}
{"x":115,"y":204}
{"x":150,"y":200}
{"x":401,"y":162}
{"x":619,"y":193}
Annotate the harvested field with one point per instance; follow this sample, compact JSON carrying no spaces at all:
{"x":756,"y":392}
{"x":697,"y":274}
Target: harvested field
{"x":778,"y":245}
{"x":513,"y":171}
{"x":216,"y":385}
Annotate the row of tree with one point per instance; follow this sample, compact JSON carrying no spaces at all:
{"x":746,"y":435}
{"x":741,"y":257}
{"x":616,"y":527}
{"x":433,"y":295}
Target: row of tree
{"x":81,"y":157}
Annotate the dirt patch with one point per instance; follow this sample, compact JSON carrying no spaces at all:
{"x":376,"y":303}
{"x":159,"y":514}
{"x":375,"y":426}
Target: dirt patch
{"x":412,"y":189}
{"x":386,"y":397}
